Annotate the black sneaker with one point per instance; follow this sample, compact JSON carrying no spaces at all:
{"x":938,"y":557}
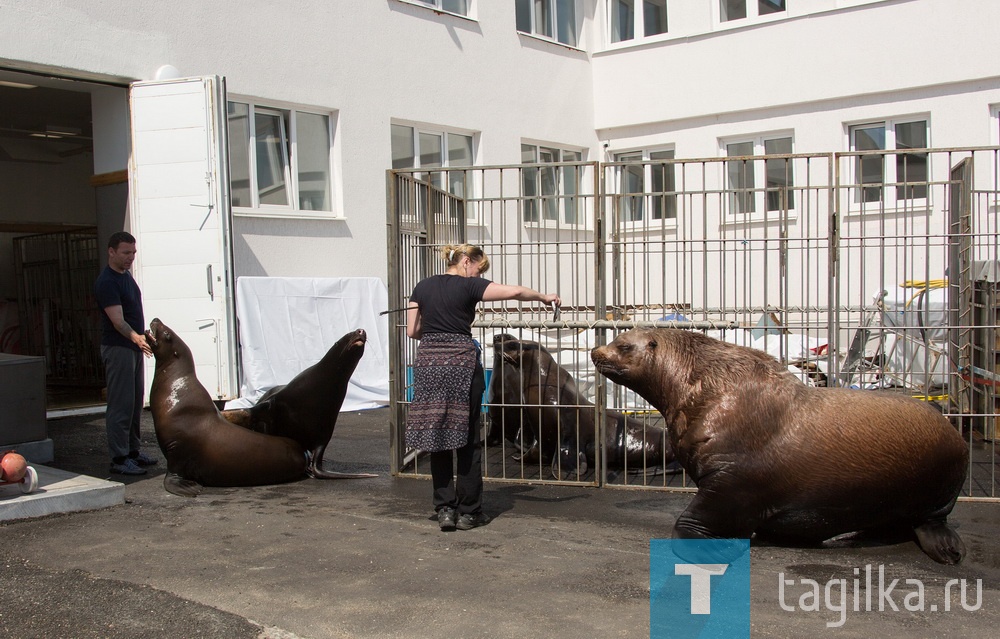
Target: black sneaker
{"x":468,"y":522}
{"x":446,"y":518}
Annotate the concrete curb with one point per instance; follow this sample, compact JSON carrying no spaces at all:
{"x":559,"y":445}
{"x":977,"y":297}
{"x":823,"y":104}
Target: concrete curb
{"x":59,"y":492}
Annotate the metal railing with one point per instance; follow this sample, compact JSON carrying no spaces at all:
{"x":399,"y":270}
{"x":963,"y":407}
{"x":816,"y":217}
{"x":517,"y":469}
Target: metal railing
{"x":845,"y":279}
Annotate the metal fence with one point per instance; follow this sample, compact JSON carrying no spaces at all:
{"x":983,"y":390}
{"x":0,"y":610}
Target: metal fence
{"x":875,"y":270}
{"x":58,"y":315}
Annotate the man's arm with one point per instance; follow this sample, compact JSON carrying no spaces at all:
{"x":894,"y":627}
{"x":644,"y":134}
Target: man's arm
{"x":118,"y":321}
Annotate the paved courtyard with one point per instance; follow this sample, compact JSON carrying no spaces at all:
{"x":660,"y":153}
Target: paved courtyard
{"x":363,"y":558}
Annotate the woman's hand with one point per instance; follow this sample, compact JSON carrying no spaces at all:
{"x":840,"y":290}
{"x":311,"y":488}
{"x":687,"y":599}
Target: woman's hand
{"x":551,"y":298}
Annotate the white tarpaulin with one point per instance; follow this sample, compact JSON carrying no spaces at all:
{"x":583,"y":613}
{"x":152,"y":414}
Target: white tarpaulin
{"x":287,"y":324}
{"x":917,"y":320}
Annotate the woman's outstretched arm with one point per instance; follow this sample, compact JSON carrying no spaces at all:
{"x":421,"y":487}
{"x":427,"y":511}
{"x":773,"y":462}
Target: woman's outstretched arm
{"x":496,"y":292}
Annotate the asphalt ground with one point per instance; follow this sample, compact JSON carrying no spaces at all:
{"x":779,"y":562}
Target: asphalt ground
{"x":364,"y":558}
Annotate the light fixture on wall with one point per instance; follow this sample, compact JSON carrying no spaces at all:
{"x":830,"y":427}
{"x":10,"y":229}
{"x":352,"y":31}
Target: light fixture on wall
{"x":167,"y":72}
{"x":53,"y":131}
{"x":17,"y":85}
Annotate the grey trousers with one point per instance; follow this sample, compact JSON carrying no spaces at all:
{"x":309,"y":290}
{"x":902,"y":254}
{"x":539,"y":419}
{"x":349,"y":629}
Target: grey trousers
{"x":124,"y":373}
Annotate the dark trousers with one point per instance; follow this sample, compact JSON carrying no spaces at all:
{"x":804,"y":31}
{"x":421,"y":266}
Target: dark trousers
{"x":466,"y":494}
{"x":124,"y":373}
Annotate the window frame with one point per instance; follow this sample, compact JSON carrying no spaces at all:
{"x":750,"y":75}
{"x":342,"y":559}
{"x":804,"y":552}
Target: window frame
{"x":443,"y":133}
{"x":638,"y":24}
{"x":420,"y":172}
{"x":563,"y":199}
{"x":438,"y":7}
{"x":995,"y":128}
{"x":553,"y":16}
{"x":753,"y":15}
{"x":891,"y":181}
{"x":287,"y":115}
{"x":647,"y":198}
{"x":760,"y":190}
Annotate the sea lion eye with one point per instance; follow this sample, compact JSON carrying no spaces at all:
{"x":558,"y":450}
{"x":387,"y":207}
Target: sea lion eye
{"x":652,"y":344}
{"x":624,"y":348}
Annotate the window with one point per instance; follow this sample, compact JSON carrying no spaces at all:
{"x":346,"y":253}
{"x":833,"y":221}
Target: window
{"x":995,"y":110}
{"x":414,"y":148}
{"x":908,"y":171}
{"x":549,"y":191}
{"x":279,"y":158}
{"x":777,"y":193}
{"x":461,"y":7}
{"x":648,"y":182}
{"x":738,"y":9}
{"x":643,"y":17}
{"x":552,"y":19}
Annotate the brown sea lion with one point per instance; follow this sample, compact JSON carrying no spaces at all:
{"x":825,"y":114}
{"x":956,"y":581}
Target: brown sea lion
{"x":306,"y":408}
{"x":504,"y":398}
{"x":557,"y":421}
{"x":201,"y":447}
{"x":774,"y":457}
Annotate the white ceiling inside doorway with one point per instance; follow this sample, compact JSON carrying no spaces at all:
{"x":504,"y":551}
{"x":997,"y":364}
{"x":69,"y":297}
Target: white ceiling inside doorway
{"x":42,"y":119}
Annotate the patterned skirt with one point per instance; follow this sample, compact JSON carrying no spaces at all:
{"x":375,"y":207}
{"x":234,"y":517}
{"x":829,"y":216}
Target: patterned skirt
{"x":442,"y":377}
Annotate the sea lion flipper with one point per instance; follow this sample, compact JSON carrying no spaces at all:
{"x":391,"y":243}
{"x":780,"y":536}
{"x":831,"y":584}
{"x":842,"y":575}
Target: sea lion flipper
{"x":567,"y":466}
{"x":720,"y":517}
{"x":237,"y":416}
{"x":316,"y":471}
{"x":530,"y":456}
{"x":940,"y":542}
{"x":258,"y":417}
{"x":174,"y":483}
{"x":330,"y":474}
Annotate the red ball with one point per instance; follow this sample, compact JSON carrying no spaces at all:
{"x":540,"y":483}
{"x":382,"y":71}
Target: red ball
{"x":13,"y":467}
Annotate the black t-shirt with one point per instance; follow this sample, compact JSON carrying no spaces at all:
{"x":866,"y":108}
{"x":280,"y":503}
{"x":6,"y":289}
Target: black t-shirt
{"x":448,"y":302}
{"x":119,"y":289}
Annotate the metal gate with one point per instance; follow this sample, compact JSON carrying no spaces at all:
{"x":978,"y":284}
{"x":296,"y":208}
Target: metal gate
{"x":839,"y":264}
{"x":57,"y":312}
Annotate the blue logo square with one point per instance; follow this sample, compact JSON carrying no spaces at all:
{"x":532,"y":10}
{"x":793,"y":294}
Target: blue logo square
{"x":699,"y":588}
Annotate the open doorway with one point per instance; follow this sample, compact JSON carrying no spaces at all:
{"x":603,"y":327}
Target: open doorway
{"x":56,"y":203}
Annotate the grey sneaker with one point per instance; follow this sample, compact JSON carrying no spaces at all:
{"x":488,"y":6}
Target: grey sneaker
{"x":127,"y":467}
{"x":142,"y":459}
{"x":446,"y":518}
{"x":468,"y":522}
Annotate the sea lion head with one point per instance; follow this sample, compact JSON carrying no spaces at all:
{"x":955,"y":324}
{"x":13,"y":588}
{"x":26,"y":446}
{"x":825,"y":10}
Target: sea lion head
{"x":165,"y":344}
{"x":630,"y":355}
{"x":520,"y":353}
{"x":500,"y":338}
{"x":349,"y":349}
{"x":646,"y":361}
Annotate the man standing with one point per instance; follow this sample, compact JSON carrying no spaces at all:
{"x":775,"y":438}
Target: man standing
{"x":122,"y":346}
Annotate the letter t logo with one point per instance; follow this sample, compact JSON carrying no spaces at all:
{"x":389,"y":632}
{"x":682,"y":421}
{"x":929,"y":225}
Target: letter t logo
{"x":701,"y":577}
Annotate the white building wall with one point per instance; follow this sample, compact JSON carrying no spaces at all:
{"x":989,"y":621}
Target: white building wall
{"x":961,"y":117}
{"x":371,"y":63}
{"x":812,"y":71}
{"x":868,"y":48}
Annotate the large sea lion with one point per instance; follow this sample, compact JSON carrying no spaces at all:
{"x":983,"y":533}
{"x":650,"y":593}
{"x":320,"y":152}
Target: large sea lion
{"x":557,"y":421}
{"x":775,"y":457}
{"x":306,"y":408}
{"x":201,"y":447}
